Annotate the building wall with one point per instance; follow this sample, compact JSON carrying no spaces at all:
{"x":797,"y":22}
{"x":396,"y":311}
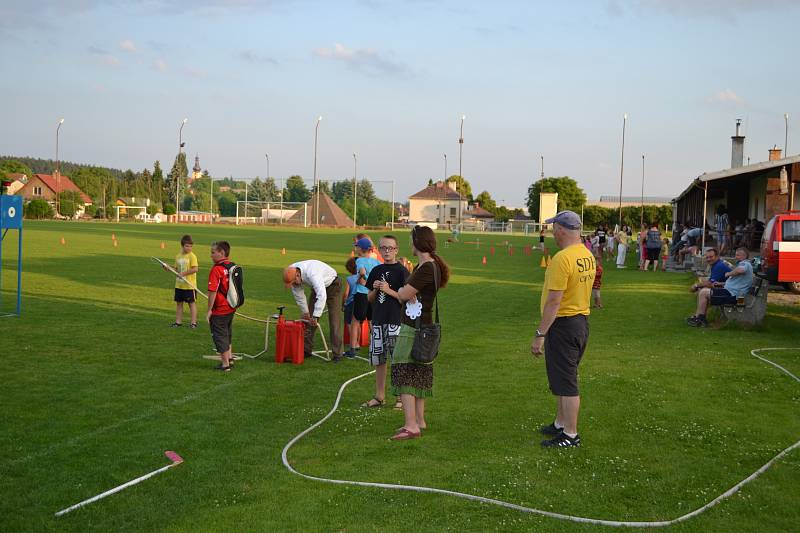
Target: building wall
{"x":757,"y":200}
{"x":28,"y":191}
{"x":548,"y":205}
{"x":443,"y":211}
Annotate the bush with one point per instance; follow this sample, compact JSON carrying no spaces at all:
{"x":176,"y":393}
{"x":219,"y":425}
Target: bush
{"x":38,"y":209}
{"x":90,"y":210}
{"x":69,"y":203}
{"x":153,"y":208}
{"x":169,"y":209}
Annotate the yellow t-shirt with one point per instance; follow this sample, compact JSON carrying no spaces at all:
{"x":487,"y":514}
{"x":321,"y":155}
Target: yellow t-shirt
{"x":571,"y":270}
{"x":622,"y":238}
{"x":184,"y":262}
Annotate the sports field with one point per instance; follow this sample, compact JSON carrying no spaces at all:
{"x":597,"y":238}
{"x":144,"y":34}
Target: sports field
{"x":96,"y":387}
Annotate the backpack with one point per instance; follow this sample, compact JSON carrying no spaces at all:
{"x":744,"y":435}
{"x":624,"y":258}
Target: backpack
{"x":235,"y":294}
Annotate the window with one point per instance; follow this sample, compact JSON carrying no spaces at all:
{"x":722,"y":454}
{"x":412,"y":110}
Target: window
{"x":452,"y":211}
{"x":790,"y":230}
{"x":37,"y":191}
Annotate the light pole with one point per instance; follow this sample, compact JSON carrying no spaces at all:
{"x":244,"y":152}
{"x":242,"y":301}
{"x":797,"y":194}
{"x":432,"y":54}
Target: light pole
{"x":541,"y":176}
{"x":786,"y":135}
{"x":178,"y":176}
{"x":444,"y":183}
{"x":265,"y":181}
{"x":316,"y":185}
{"x":355,"y":188}
{"x":58,"y":170}
{"x":641,"y":216}
{"x":245,"y":205}
{"x":622,"y":166}
{"x":211,"y":198}
{"x":460,"y":175}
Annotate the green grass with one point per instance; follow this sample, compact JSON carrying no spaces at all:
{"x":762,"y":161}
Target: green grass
{"x":96,"y":387}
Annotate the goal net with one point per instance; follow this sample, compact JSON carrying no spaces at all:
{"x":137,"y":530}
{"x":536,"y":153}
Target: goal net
{"x":291,"y":213}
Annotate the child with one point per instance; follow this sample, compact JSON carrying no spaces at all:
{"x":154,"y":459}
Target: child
{"x":364,"y":265}
{"x":386,"y":313}
{"x":220,"y":314}
{"x":598,"y":281}
{"x":187,"y":266}
{"x":349,"y":296}
{"x":541,"y":239}
{"x":664,"y":254}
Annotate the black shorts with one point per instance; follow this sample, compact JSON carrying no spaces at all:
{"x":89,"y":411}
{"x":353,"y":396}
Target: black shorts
{"x":652,"y":253}
{"x":722,"y":297}
{"x":361,"y":308}
{"x":185,"y":295}
{"x":564,"y":345}
{"x":348,"y":313}
{"x":222,"y":331}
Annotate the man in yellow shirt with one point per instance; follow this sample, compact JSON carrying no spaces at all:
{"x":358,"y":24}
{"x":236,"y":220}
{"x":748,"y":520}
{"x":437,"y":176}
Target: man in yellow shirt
{"x":563,"y":331}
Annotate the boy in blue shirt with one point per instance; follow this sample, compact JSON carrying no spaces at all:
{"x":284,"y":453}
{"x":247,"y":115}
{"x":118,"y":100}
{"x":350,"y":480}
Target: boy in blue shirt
{"x":349,"y":296}
{"x":361,"y":309}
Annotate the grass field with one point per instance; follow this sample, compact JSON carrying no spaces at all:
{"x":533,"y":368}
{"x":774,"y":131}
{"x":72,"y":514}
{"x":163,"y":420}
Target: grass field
{"x":96,"y":386}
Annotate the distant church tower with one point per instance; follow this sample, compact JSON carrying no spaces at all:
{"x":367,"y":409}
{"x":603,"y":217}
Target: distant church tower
{"x":197,"y":172}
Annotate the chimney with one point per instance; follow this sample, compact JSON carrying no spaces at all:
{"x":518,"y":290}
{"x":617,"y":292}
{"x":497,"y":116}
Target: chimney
{"x":774,"y":153}
{"x":452,"y":185}
{"x":737,"y":149}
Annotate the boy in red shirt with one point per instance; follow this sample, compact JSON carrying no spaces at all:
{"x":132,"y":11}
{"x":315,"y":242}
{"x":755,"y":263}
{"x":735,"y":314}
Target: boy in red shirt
{"x":598,"y":282}
{"x":220,"y":314}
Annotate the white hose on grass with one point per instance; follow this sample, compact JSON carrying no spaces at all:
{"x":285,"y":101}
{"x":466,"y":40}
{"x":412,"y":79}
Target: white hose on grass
{"x":491,"y":501}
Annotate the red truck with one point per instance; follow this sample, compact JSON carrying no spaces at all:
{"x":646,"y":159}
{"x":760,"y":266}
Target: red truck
{"x":780,"y":251}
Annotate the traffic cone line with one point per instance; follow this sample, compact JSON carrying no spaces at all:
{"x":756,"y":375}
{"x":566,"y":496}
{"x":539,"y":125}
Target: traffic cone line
{"x":484,"y":260}
{"x":63,"y":242}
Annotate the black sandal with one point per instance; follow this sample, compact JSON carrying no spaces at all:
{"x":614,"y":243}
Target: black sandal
{"x":373,"y":405}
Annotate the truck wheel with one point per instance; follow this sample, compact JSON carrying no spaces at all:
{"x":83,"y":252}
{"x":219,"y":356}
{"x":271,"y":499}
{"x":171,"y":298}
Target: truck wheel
{"x":792,"y":286}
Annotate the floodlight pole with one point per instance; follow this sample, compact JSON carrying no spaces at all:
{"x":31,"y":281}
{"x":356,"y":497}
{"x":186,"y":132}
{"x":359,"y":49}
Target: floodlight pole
{"x":58,"y":170}
{"x":211,"y":201}
{"x":265,"y":181}
{"x":355,"y":188}
{"x":316,"y":184}
{"x":622,"y":166}
{"x":460,"y":175}
{"x":439,"y":193}
{"x":178,"y":176}
{"x":392,"y":224}
{"x":786,"y":135}
{"x":641,"y":215}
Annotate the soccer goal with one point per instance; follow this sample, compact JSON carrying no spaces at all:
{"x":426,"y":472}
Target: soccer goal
{"x":142,"y":208}
{"x":292,"y":213}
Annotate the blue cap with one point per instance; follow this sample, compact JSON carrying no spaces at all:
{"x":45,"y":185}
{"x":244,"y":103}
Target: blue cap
{"x":568,"y":219}
{"x":364,"y":243}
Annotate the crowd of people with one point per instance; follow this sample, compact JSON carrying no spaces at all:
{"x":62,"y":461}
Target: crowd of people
{"x":388,"y":291}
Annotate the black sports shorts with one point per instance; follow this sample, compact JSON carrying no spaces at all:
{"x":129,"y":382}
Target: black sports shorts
{"x":185,"y":295}
{"x":564,"y":345}
{"x":361,"y":307}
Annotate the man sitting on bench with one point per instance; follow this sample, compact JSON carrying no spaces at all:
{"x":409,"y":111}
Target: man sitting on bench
{"x":717,"y":270}
{"x":738,"y":283}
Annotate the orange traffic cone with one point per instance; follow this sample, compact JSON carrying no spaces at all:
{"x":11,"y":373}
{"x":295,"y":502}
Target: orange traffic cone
{"x":162,"y":245}
{"x":484,"y":260}
{"x":510,"y":250}
{"x":63,"y":241}
{"x":283,"y":251}
{"x":491,"y":250}
{"x":113,"y":236}
{"x":116,"y":244}
{"x":543,"y":262}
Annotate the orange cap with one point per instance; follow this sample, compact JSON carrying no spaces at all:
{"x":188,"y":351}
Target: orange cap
{"x":289,"y":275}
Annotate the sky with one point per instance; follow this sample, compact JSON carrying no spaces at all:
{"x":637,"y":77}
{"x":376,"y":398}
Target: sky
{"x":392,"y":80}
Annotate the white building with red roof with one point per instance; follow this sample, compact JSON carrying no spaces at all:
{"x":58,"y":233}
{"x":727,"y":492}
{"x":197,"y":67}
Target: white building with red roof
{"x":47,"y":187}
{"x":438,"y":202}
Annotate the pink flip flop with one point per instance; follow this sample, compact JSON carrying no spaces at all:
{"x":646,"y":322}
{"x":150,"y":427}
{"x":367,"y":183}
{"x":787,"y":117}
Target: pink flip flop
{"x":405,"y":434}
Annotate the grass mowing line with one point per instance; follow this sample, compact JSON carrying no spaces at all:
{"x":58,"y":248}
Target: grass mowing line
{"x":663,"y":523}
{"x":160,"y":409}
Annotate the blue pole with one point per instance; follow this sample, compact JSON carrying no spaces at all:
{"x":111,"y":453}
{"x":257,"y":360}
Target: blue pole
{"x":19,"y":272}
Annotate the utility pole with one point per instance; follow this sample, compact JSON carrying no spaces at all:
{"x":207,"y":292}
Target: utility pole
{"x":460,"y":175}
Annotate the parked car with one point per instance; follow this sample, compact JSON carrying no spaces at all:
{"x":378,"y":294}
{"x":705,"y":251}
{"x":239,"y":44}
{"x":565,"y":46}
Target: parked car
{"x":780,"y":251}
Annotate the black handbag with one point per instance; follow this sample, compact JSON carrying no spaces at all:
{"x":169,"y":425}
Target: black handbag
{"x":427,"y":337}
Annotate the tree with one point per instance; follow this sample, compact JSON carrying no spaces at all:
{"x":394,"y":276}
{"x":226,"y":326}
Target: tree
{"x":226,"y":202}
{"x":570,"y":196}
{"x":38,"y":209}
{"x":341,"y":191}
{"x":296,"y":190}
{"x":169,"y":209}
{"x":69,"y":203}
{"x":486,"y":202}
{"x":12,"y":166}
{"x":177,"y":176}
{"x":324,"y":186}
{"x":462,"y":186}
{"x":158,"y":184}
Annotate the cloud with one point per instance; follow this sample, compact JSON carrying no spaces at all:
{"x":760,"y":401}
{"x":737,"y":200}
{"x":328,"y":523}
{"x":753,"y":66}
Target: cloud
{"x":160,"y":65}
{"x":729,"y":10}
{"x":251,"y":56}
{"x":128,"y":46}
{"x":726,"y":96}
{"x":103,"y":55}
{"x":194,"y":73}
{"x":364,"y":60}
